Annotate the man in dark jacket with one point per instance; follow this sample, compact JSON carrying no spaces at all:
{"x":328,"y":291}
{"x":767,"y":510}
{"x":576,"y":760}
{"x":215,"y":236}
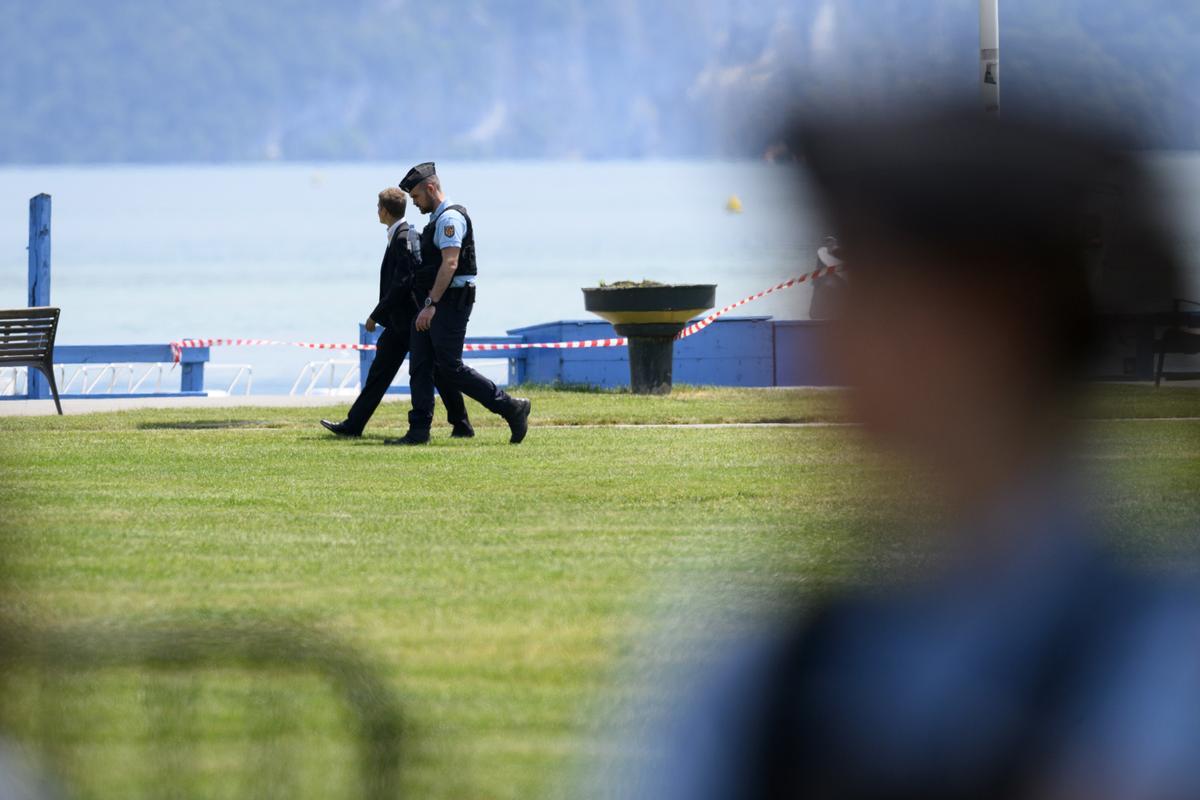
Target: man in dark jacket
{"x":395,"y":312}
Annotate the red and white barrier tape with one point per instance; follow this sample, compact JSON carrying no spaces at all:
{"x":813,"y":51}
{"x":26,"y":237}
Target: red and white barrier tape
{"x":700,"y":325}
{"x":695,"y":327}
{"x":620,"y":341}
{"x":178,"y":346}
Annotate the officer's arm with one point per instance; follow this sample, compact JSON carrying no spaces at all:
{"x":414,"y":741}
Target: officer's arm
{"x":445,"y":272}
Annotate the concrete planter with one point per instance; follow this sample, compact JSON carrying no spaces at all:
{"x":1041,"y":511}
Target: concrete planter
{"x":650,"y":316}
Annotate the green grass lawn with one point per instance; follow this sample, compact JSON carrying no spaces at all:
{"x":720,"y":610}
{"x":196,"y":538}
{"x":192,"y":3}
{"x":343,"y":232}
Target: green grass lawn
{"x":496,"y":588}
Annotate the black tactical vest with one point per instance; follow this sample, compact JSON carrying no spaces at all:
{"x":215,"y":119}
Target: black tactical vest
{"x":431,"y":254}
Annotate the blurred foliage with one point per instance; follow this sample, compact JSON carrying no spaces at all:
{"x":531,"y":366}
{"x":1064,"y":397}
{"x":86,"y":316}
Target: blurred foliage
{"x":185,"y":707}
{"x":220,"y":80}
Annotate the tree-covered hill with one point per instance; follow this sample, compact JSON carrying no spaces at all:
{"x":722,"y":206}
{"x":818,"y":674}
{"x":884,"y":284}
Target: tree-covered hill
{"x":219,"y":80}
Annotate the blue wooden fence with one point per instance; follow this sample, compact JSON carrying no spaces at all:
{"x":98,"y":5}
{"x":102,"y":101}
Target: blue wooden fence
{"x":190,"y":368}
{"x":515,"y":357}
{"x":733,"y":351}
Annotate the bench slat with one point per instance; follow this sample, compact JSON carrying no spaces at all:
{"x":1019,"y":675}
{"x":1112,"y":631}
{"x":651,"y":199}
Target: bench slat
{"x":39,"y":326}
{"x":26,"y":332}
{"x":34,"y":312}
{"x":18,"y":321}
{"x":24,"y":361}
{"x":13,"y":352}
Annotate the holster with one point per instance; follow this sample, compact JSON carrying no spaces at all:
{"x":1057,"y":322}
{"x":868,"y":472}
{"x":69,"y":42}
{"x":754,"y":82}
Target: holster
{"x":460,"y":297}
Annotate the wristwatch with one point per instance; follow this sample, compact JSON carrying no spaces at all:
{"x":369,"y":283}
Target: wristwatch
{"x":429,"y":302}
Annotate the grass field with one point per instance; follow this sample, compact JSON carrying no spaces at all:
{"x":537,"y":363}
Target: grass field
{"x":496,"y":588}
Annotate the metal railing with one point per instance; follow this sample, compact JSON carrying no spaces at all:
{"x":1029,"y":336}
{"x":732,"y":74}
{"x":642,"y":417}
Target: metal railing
{"x":239,"y":371}
{"x":86,"y":378}
{"x":314,"y":372}
{"x":118,"y":378}
{"x":14,"y":381}
{"x":320,"y":378}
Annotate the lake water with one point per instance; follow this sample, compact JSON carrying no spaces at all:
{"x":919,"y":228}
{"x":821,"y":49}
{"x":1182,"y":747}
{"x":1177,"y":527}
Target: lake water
{"x":291,"y":251}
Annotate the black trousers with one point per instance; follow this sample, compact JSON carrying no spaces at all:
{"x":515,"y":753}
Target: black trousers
{"x":437,"y":356}
{"x":390,"y":352}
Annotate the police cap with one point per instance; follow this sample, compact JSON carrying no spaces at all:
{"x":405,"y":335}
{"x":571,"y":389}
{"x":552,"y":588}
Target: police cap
{"x":418,"y":175}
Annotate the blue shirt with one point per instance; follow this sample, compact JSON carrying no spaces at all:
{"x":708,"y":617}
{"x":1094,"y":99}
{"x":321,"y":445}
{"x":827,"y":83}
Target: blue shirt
{"x":451,"y":226}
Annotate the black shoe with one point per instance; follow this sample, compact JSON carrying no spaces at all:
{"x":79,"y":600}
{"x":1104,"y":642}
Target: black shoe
{"x":340,"y":428}
{"x":518,"y":421}
{"x":410,"y":438}
{"x":462,"y":430}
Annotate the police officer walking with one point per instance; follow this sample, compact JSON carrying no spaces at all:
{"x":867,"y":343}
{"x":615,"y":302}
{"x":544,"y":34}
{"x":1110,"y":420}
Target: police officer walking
{"x":445,"y":286}
{"x":395,"y":312}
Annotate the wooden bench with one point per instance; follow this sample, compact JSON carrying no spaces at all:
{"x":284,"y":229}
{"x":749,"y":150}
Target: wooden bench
{"x":27,"y":340}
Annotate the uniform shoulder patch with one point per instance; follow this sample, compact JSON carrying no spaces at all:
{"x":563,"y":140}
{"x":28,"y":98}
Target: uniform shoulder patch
{"x":448,"y":230}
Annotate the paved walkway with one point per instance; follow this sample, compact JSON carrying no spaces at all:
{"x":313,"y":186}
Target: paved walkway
{"x":34,"y":408}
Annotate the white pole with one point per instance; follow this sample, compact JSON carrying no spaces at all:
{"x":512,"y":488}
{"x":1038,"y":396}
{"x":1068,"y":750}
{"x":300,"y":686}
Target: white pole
{"x":989,"y":54}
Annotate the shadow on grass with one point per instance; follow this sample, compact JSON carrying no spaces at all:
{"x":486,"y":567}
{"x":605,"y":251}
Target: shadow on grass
{"x":576,"y":388}
{"x":591,"y":388}
{"x":208,"y":424}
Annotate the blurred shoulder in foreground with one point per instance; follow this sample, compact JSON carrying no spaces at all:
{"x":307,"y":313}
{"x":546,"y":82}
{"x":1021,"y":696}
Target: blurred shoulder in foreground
{"x":984,"y":256}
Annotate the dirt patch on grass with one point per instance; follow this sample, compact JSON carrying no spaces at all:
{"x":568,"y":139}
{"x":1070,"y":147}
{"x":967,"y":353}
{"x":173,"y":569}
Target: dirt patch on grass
{"x":208,"y":424}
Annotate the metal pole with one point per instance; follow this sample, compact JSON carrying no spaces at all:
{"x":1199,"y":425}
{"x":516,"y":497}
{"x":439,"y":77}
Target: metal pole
{"x":989,"y":54}
{"x":39,"y":274}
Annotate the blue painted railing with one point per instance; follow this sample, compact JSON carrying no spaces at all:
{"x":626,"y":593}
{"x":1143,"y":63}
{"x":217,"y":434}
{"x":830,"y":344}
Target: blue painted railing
{"x":190,"y":367}
{"x":733,"y":351}
{"x":516,"y":358}
{"x":191,"y":360}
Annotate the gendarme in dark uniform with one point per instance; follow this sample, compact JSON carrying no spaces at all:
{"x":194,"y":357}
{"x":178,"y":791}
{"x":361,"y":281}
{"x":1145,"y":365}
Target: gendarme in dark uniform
{"x":445,"y":286}
{"x":395,"y":311}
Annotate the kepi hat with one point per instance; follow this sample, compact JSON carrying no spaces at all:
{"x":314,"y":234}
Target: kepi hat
{"x":418,"y":175}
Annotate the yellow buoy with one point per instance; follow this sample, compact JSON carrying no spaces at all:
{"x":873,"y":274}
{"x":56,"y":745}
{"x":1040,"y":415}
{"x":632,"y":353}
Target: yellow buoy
{"x":733,"y":205}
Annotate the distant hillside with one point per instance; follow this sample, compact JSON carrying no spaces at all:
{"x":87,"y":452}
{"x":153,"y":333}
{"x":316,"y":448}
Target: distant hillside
{"x":220,"y":80}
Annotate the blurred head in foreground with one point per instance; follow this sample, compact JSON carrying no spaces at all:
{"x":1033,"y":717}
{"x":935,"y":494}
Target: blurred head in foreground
{"x":981,"y":255}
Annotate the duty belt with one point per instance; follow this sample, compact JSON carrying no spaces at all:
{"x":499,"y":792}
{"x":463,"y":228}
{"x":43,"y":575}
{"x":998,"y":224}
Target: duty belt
{"x":460,"y":281}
